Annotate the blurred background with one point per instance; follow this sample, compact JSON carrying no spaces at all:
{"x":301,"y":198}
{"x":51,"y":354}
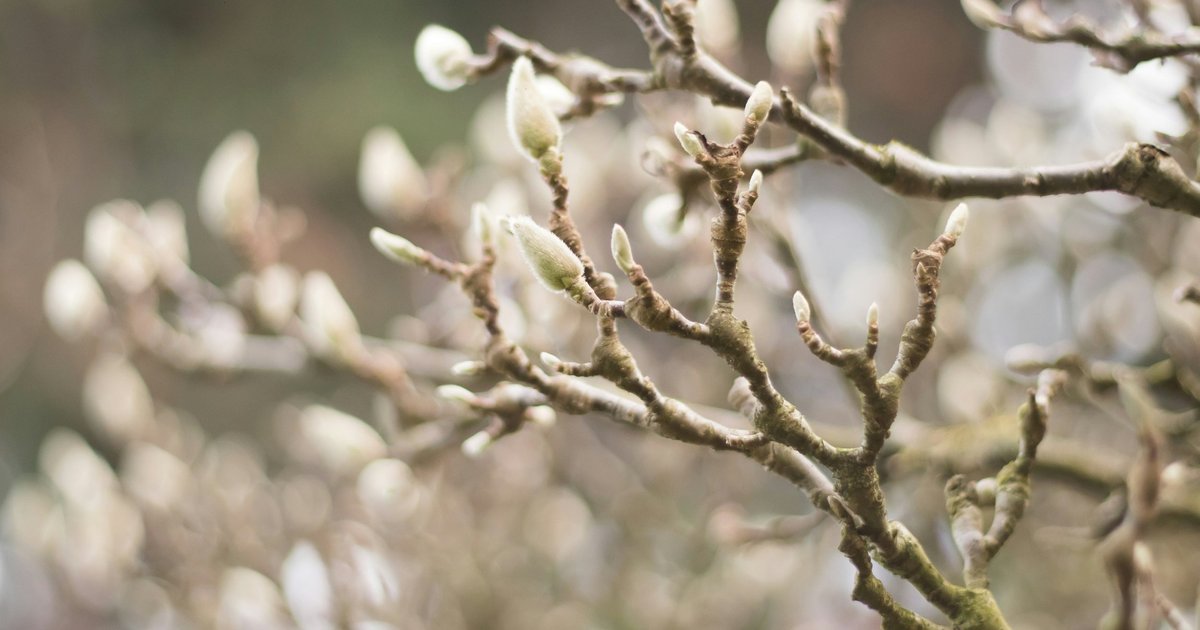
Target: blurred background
{"x":584,"y":525}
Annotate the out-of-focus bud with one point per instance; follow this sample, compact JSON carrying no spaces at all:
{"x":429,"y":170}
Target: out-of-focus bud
{"x":792,"y":32}
{"x":558,"y":97}
{"x":29,"y":511}
{"x":483,"y":224}
{"x":475,"y":445}
{"x":276,"y":291}
{"x":873,"y":315}
{"x":390,"y":181}
{"x":550,"y":361}
{"x":717,"y":26}
{"x":758,"y":106}
{"x":229,"y":198}
{"x":621,"y":251}
{"x":222,"y":335}
{"x":532,"y":124}
{"x":688,"y":140}
{"x":342,"y":443}
{"x":388,"y":490}
{"x":957,"y":221}
{"x":168,"y":230}
{"x":985,"y":490}
{"x":542,"y":415}
{"x":443,"y":57}
{"x":248,"y":599}
{"x":982,"y":13}
{"x":114,"y":250}
{"x":553,"y":263}
{"x":306,"y":587}
{"x":334,"y":329}
{"x":756,"y":179}
{"x":396,"y":247}
{"x":468,"y":368}
{"x":73,"y":300}
{"x":154,"y":477}
{"x":116,"y":400}
{"x":661,"y":220}
{"x":81,"y":476}
{"x":800,"y":307}
{"x":457,"y":393}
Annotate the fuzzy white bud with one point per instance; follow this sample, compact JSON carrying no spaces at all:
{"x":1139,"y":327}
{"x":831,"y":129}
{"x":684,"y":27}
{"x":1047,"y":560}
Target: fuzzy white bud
{"x":307,"y":587}
{"x":167,"y":230}
{"x":553,"y":263}
{"x":389,"y":490}
{"x":758,"y":106}
{"x":541,"y":415}
{"x":551,"y":361}
{"x":229,"y":197}
{"x":115,"y":250}
{"x":390,"y":181}
{"x":116,"y":400}
{"x":483,"y":224}
{"x":532,"y":124}
{"x":276,"y":291}
{"x":873,"y":315}
{"x":985,"y":490}
{"x":443,"y":57}
{"x":982,"y":13}
{"x":334,"y":329}
{"x":73,"y":300}
{"x":800,"y":307}
{"x":457,"y":393}
{"x":688,"y":140}
{"x":396,"y":247}
{"x":756,"y":179}
{"x":792,"y":32}
{"x":475,"y":445}
{"x":957,"y":221}
{"x":468,"y":368}
{"x":621,"y":251}
{"x":342,"y":443}
{"x":717,"y":26}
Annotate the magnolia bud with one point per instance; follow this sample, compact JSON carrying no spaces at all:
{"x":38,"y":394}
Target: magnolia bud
{"x":553,"y":263}
{"x":475,"y":445}
{"x":248,"y":599}
{"x":306,"y":587}
{"x":116,"y":400}
{"x":758,"y":107}
{"x":229,"y":197}
{"x":276,"y":291}
{"x":531,"y":123}
{"x":342,"y":443}
{"x":873,"y":315}
{"x":325,"y":312}
{"x":167,"y":230}
{"x":982,"y":13}
{"x":717,"y":25}
{"x":73,"y":301}
{"x":389,"y":490}
{"x":957,"y":221}
{"x":621,"y":251}
{"x":468,"y":368}
{"x":791,"y":33}
{"x":390,"y":181}
{"x":688,"y":140}
{"x":457,"y":393}
{"x":397,"y":247}
{"x":551,"y":361}
{"x":483,"y":223}
{"x":800,"y":307}
{"x":541,"y":415}
{"x":116,"y":251}
{"x":443,"y":57}
{"x":755,"y":184}
{"x":661,"y":220}
{"x":985,"y":490}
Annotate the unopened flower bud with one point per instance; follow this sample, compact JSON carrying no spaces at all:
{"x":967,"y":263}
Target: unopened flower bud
{"x":475,"y":445}
{"x":483,"y":224}
{"x":542,"y":415}
{"x":397,"y":247}
{"x":791,"y":33}
{"x":758,"y":107}
{"x":276,"y":291}
{"x":688,"y":140}
{"x":229,"y":197}
{"x":342,"y":443}
{"x":553,"y":263}
{"x":985,"y":490}
{"x":443,"y":57}
{"x":957,"y":221}
{"x":800,"y":307}
{"x":873,"y":315}
{"x":457,"y":393}
{"x":982,"y":13}
{"x":332,"y":324}
{"x":390,"y":181}
{"x":756,"y":179}
{"x":551,"y":361}
{"x":167,"y":230}
{"x":621,"y":251}
{"x":117,"y":252}
{"x":717,"y":26}
{"x":389,"y":490}
{"x":116,"y":400}
{"x":663,"y":224}
{"x":468,"y":368}
{"x":531,"y":122}
{"x":73,"y":300}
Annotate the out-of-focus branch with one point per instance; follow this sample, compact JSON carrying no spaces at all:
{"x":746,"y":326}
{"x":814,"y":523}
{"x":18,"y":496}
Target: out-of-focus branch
{"x":1120,"y":52}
